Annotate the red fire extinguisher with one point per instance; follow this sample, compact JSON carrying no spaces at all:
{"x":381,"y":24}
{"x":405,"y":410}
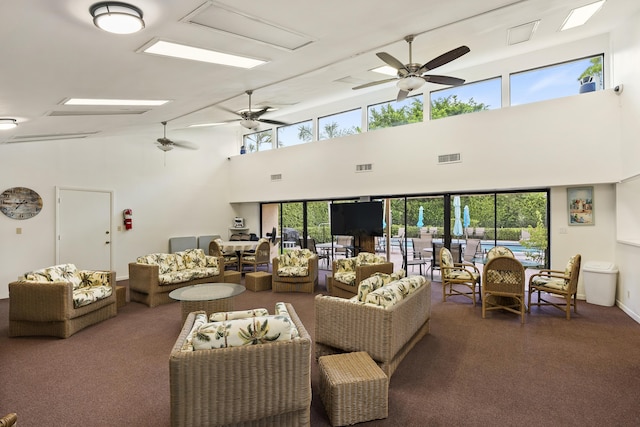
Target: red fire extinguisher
{"x":128,"y":219}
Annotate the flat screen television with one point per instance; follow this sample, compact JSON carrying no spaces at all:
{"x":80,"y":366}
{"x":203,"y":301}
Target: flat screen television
{"x":356,"y":219}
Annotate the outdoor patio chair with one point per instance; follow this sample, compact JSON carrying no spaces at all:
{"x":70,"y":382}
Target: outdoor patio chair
{"x":412,"y":260}
{"x":456,"y":252}
{"x":479,"y":233}
{"x":472,"y":249}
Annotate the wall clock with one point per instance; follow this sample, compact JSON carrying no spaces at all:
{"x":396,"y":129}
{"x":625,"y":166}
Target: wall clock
{"x":20,"y":203}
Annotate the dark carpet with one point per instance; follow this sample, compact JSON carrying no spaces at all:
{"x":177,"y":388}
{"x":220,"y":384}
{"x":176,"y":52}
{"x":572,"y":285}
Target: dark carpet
{"x":469,"y":371}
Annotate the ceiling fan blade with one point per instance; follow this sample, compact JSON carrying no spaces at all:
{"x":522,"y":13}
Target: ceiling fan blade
{"x":445,"y":58}
{"x":272,"y":122}
{"x":391,"y":61}
{"x":443,"y":80}
{"x":256,"y":114}
{"x":186,"y":144}
{"x":402,"y":95}
{"x":229,"y":110}
{"x":375,"y":83}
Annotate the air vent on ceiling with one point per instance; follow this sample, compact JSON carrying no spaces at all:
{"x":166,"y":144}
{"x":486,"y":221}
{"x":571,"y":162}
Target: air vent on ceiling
{"x":365,"y":167}
{"x":449,"y":158}
{"x":276,"y":177}
{"x":49,"y":137}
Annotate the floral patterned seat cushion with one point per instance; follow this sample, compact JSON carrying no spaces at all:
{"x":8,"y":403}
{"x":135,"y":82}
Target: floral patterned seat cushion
{"x":240,"y":332}
{"x":560,"y":283}
{"x":294,"y":263}
{"x":240,"y":314}
{"x":367,"y":258}
{"x":456,"y":273}
{"x":88,"y":286}
{"x":376,"y":281}
{"x":390,"y":294}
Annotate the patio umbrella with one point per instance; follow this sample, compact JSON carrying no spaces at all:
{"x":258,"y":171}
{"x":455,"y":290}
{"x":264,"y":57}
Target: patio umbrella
{"x":420,"y":217}
{"x":457,"y":226}
{"x":466,"y":219}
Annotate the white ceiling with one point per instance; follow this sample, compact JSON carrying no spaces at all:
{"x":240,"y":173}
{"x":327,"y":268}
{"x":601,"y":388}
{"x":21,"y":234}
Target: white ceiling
{"x":51,"y":51}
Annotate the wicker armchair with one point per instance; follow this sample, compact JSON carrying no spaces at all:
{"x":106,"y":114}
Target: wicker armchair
{"x":263,"y":384}
{"x":47,"y":308}
{"x":503,"y":286}
{"x":457,"y":274}
{"x":295,"y":271}
{"x":560,"y":283}
{"x":361,"y":271}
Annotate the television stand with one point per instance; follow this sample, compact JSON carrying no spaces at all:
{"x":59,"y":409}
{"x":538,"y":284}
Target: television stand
{"x":364,"y":244}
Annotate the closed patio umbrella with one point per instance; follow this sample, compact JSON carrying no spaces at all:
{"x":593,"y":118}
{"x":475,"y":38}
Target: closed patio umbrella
{"x":420,"y":217}
{"x":466,"y":218}
{"x":457,"y":226}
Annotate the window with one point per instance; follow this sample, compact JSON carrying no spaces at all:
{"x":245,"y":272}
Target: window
{"x":393,"y":113}
{"x":557,"y":81}
{"x":258,"y":141}
{"x":468,"y":98}
{"x":295,"y":134}
{"x":341,"y":124}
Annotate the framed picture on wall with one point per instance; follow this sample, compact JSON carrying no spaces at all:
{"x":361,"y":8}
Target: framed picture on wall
{"x":580,"y":204}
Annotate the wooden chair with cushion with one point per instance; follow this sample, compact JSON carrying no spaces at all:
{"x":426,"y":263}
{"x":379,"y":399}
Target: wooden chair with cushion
{"x":230,"y":258}
{"x":261,"y":256}
{"x":456,"y":275}
{"x":563,"y":284}
{"x":503,"y":286}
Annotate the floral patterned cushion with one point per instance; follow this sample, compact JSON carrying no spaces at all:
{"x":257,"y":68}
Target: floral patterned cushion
{"x":346,"y":277}
{"x":242,"y":314}
{"x":344,"y":265}
{"x":388,"y":295}
{"x":294,"y":263}
{"x":239,"y":332}
{"x":376,"y":281}
{"x":166,"y":262}
{"x":56,"y":273}
{"x":190,"y":258}
{"x":201,"y":319}
{"x":281,"y":310}
{"x":88,"y":295}
{"x":499,"y":251}
{"x":367,"y":258}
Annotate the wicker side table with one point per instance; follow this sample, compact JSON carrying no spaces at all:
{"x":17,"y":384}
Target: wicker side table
{"x":232,"y":276}
{"x":353,"y":388}
{"x":258,"y":281}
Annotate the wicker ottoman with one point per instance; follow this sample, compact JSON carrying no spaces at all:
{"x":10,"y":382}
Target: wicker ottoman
{"x":232,"y":276}
{"x":258,"y":281}
{"x":353,"y":388}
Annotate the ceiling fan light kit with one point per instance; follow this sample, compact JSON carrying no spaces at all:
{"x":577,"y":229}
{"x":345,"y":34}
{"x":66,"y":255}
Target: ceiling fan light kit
{"x":117,"y":17}
{"x":410,"y":83}
{"x":6,"y":124}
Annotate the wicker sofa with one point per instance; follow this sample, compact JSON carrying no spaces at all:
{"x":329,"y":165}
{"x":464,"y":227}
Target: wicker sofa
{"x":387,"y":331}
{"x":261,"y":384}
{"x":295,"y":271}
{"x":60,"y":300}
{"x":153,"y":276}
{"x":349,"y":272}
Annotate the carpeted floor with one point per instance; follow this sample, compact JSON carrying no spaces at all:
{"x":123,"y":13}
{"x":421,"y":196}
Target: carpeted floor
{"x":469,"y":371}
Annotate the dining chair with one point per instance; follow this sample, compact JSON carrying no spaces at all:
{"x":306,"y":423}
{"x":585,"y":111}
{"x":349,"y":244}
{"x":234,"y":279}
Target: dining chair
{"x":456,"y":252}
{"x":472,"y":249}
{"x":422,"y":250}
{"x":230,"y":258}
{"x":503,"y":286}
{"x":412,"y":260}
{"x":261,"y":256}
{"x":347,"y":246}
{"x":557,"y":283}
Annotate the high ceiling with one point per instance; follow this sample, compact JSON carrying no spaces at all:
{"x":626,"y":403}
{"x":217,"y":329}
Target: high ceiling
{"x":51,"y":51}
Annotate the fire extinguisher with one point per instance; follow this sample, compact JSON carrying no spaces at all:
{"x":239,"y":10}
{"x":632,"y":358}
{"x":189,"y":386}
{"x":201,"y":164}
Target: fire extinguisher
{"x":128,"y":219}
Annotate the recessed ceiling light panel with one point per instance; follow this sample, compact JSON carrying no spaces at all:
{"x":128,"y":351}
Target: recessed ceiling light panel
{"x":116,"y":102}
{"x":579,"y":16}
{"x":175,"y":50}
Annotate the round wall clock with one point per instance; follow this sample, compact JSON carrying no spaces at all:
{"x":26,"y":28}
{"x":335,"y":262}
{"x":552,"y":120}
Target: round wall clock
{"x":20,"y":203}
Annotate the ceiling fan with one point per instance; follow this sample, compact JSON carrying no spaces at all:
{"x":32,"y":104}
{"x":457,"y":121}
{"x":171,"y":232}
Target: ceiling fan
{"x":165,"y":144}
{"x":412,"y":76}
{"x":251,"y":119}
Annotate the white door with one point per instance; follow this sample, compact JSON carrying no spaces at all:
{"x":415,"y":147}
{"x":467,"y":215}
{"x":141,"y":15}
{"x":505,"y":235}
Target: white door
{"x":84,"y":228}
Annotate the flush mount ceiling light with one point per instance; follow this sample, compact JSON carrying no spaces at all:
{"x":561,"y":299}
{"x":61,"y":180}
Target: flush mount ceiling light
{"x":116,"y":17}
{"x":8,"y":124}
{"x":410,"y":83}
{"x":581,"y":15}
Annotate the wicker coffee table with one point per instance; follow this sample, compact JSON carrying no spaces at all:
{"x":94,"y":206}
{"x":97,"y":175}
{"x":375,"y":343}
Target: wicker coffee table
{"x":210,"y":297}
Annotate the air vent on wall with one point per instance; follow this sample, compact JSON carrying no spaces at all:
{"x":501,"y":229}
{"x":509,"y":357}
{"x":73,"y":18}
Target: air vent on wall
{"x":449,"y":158}
{"x":276,"y":177}
{"x":366,"y":167}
